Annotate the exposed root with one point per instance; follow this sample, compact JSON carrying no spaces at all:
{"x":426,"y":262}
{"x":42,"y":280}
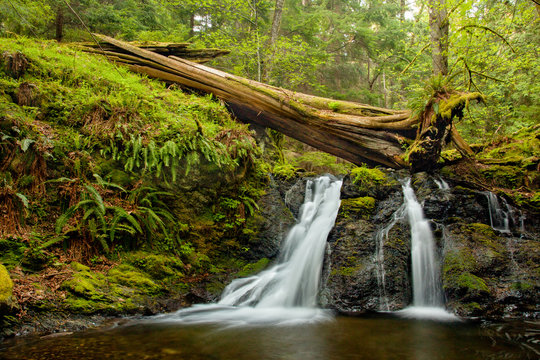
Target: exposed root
{"x":15,"y":64}
{"x":27,"y":95}
{"x":437,"y":129}
{"x":11,"y":212}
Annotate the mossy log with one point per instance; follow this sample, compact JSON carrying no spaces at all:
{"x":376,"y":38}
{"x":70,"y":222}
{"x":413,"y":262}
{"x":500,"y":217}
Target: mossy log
{"x":356,"y":132}
{"x":179,"y":50}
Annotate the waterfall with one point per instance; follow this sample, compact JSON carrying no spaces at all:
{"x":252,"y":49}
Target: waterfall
{"x":381,"y":237}
{"x":443,"y":185}
{"x":287,"y":291}
{"x":499,"y":218}
{"x":428,"y":299}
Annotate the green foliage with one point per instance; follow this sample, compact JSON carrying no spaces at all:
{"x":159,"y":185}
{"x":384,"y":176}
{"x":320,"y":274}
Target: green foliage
{"x":284,"y":170}
{"x":365,"y":177}
{"x":99,"y":221}
{"x":320,"y":162}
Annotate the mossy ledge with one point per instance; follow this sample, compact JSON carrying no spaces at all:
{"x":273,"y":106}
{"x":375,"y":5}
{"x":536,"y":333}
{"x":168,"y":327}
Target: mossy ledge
{"x":122,"y":195}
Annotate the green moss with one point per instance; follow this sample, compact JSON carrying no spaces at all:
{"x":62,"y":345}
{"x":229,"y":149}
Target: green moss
{"x":82,"y":306}
{"x":284,"y":170}
{"x":347,"y":270}
{"x":364,"y":176}
{"x":129,"y":276}
{"x":77,"y":267}
{"x":522,"y":286}
{"x":450,"y":155}
{"x":456,"y":262}
{"x":362,"y":206}
{"x":485,"y":236}
{"x":157,"y":266}
{"x":471,"y":282}
{"x":471,"y":306}
{"x":6,"y":285}
{"x":86,"y":285}
{"x":395,"y":242}
{"x":319,"y":162}
{"x":334,"y":106}
{"x":253,"y":268}
{"x":505,"y":176}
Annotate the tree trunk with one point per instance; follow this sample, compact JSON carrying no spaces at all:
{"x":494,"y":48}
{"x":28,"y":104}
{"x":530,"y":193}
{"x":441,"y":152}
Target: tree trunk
{"x":439,"y":27}
{"x":355,"y":132}
{"x":59,"y":23}
{"x":276,"y":21}
{"x":192,"y":25}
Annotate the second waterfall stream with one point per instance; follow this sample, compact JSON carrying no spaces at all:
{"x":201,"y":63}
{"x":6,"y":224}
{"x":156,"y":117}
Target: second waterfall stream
{"x":287,"y":291}
{"x":428,"y":298}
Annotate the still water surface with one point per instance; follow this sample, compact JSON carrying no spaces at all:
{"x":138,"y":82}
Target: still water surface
{"x":341,"y":338}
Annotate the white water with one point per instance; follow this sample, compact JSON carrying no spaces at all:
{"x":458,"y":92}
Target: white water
{"x":286,"y":292}
{"x":428,"y":300}
{"x":499,"y":218}
{"x":443,"y":185}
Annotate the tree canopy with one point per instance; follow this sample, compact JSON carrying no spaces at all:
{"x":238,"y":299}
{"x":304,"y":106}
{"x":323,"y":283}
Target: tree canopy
{"x":371,"y":51}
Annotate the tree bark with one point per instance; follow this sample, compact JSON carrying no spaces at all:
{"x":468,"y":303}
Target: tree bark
{"x":276,"y":21}
{"x":355,"y":132}
{"x":59,"y":23}
{"x":439,"y":28}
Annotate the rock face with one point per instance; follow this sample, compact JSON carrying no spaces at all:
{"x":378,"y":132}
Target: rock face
{"x":484,"y":272}
{"x":272,"y":224}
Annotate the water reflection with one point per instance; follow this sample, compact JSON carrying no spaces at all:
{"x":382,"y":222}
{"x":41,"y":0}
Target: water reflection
{"x":343,"y":338}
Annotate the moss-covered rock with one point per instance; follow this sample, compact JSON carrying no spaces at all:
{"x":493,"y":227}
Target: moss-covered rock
{"x":87,"y":285}
{"x":361,"y":206}
{"x":158,"y":266}
{"x":131,"y":277}
{"x":510,"y":177}
{"x":253,"y":268}
{"x":365,"y":177}
{"x":6,"y":285}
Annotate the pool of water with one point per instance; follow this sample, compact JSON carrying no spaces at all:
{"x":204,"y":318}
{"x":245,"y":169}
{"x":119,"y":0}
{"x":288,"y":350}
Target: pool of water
{"x":379,"y":337}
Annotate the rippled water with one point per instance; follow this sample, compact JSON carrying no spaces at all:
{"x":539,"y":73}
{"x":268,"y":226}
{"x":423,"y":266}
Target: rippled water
{"x":342,"y":338}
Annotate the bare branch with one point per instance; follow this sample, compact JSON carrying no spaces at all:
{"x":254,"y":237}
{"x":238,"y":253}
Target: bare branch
{"x":491,"y":31}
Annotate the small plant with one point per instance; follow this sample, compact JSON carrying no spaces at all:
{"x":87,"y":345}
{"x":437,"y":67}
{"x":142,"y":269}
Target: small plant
{"x":365,"y":177}
{"x":98,"y":221}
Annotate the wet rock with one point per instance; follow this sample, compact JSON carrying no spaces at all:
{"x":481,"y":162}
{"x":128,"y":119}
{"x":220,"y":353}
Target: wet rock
{"x":354,"y":280}
{"x":484,"y":272}
{"x":269,"y":227}
{"x":294,"y":197}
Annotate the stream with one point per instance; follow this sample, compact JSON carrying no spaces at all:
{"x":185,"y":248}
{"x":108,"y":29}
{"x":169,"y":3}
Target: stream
{"x":374,"y":337}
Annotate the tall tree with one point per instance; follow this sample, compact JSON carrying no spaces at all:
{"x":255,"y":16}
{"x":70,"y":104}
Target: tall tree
{"x":439,"y":28}
{"x":276,"y":21}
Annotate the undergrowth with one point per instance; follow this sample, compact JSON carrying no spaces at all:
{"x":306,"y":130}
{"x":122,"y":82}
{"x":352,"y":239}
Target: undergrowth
{"x":99,"y":160}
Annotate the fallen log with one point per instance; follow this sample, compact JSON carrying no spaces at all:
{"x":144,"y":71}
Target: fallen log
{"x":180,"y":50}
{"x":356,"y":132}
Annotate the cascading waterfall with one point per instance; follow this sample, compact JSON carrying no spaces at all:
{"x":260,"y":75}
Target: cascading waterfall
{"x":286,"y":292}
{"x":428,"y":299}
{"x":443,"y":185}
{"x":499,"y":218}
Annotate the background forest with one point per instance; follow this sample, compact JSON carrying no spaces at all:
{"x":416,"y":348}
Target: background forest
{"x":371,"y":51}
